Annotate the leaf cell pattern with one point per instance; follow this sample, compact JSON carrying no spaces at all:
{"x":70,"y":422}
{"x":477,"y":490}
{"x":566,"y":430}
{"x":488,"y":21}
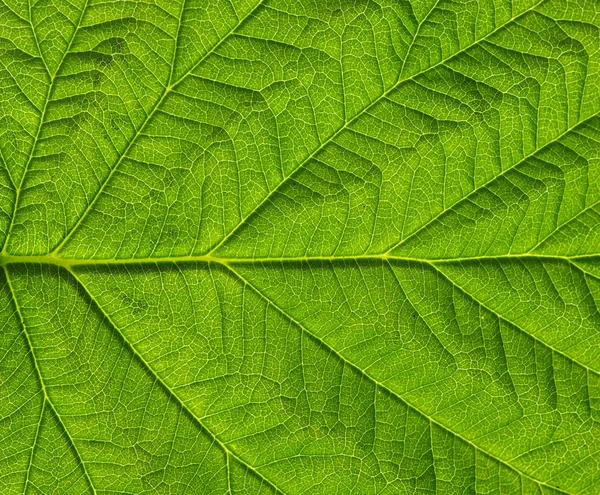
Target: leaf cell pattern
{"x":293,"y":247}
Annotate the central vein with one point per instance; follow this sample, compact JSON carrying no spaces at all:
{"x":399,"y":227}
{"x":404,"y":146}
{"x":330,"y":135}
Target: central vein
{"x":68,"y":263}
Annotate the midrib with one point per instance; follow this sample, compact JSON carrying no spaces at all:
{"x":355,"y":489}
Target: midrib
{"x":68,"y":263}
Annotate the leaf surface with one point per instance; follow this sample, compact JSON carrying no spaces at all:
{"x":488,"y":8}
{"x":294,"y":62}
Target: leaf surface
{"x":262,"y":246}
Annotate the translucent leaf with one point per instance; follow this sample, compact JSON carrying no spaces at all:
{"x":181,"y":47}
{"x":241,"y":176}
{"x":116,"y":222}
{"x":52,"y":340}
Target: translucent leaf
{"x":300,"y":247}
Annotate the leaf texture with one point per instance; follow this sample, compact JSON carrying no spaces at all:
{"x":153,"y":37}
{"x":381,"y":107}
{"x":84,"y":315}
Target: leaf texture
{"x":300,"y":247}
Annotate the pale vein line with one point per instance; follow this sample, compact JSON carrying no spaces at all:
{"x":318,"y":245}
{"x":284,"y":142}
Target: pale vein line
{"x":171,"y":392}
{"x":35,"y":440}
{"x":228,"y":474}
{"x":435,"y":476}
{"x":50,"y":259}
{"x":43,"y":384}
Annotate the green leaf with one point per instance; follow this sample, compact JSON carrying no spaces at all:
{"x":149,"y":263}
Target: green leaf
{"x":300,"y":247}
